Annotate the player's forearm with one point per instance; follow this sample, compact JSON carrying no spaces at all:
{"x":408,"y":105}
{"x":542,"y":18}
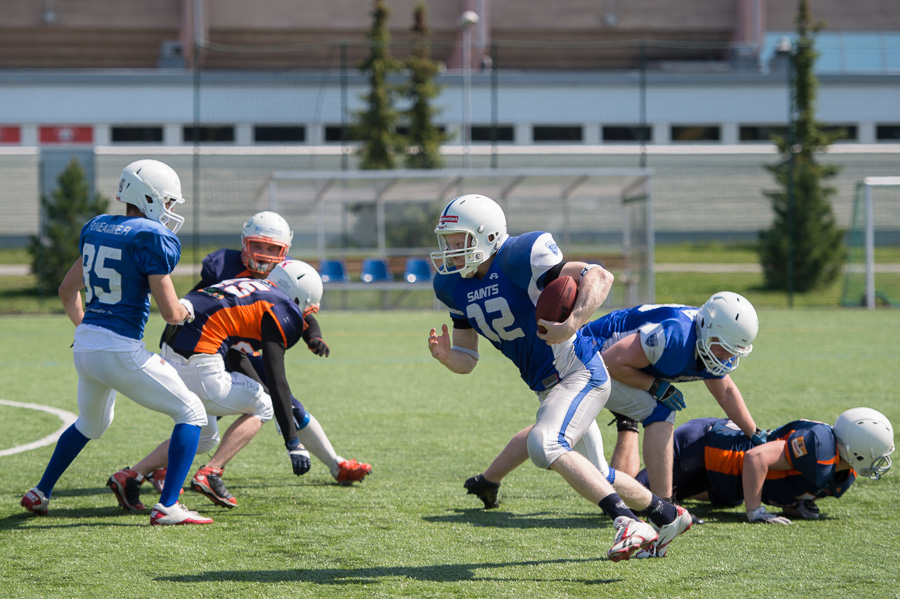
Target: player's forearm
{"x":734,"y":407}
{"x":460,"y":362}
{"x":592,"y":292}
{"x":753,"y":477}
{"x":70,"y":293}
{"x":633,"y":377}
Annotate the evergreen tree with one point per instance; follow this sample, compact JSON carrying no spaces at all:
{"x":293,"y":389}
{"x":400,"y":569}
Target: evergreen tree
{"x":424,"y":139}
{"x":54,"y":252}
{"x":376,"y":126}
{"x":804,"y":249}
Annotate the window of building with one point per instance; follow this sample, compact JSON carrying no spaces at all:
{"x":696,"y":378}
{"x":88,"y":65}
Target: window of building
{"x":489,"y":133}
{"x":888,"y":132}
{"x":761,"y":132}
{"x":633,"y":133}
{"x":128,"y":134}
{"x":209,"y":134}
{"x":850,"y":133}
{"x":333,"y":134}
{"x":695,"y":133}
{"x":278,"y":134}
{"x":557,"y":133}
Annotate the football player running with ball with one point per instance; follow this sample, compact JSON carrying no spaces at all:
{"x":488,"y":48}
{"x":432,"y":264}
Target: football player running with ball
{"x":490,"y":283}
{"x":123,"y":260}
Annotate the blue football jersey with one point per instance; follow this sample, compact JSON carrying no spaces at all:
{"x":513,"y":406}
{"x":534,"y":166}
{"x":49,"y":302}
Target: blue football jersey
{"x":667,"y":334}
{"x":222,"y":265}
{"x":500,"y":306}
{"x":118,"y":254}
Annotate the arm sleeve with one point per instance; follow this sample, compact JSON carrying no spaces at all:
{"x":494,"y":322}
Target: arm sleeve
{"x":312,"y":330}
{"x":238,"y":361}
{"x":273,"y":359}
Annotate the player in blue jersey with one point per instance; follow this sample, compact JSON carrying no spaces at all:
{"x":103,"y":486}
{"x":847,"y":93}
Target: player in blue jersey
{"x":265,"y":241}
{"x":649,"y":348}
{"x":490,"y":283}
{"x":803,"y":461}
{"x":125,"y":259}
{"x":266,"y":316}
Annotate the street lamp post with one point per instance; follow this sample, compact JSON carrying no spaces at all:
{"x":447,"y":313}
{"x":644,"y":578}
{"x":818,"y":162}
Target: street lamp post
{"x":466,"y":20}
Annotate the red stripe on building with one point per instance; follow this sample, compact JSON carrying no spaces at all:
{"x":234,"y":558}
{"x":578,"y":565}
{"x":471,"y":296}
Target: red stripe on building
{"x":66,"y":135}
{"x":10,"y":135}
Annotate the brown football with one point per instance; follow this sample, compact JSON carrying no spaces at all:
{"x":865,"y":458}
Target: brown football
{"x":556,"y":300}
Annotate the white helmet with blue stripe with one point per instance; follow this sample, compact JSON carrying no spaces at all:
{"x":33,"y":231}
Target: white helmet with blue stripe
{"x":482,"y":222}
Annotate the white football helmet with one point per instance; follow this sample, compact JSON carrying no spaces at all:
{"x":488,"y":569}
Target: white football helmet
{"x":482,"y":221}
{"x":268,"y":228}
{"x":150,"y":185}
{"x":865,"y":439}
{"x":300,"y":282}
{"x":728,"y":320}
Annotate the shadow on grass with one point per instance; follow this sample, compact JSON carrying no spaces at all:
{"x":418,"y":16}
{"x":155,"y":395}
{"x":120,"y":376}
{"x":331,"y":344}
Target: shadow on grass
{"x":358,"y":576}
{"x":501,"y":519}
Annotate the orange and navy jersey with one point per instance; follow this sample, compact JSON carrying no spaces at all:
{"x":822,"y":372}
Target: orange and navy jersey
{"x":810,"y":449}
{"x":229,"y":314}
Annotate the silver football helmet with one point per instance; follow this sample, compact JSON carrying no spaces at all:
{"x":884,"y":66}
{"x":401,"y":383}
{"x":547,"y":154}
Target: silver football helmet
{"x":865,"y":440}
{"x":151,"y":186}
{"x":483,"y":223}
{"x":270,"y":229}
{"x":730,"y":321}
{"x":300,"y":282}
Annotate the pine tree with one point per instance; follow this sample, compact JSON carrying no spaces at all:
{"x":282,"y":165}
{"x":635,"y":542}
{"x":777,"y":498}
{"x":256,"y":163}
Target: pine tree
{"x":54,"y":252}
{"x":804,"y":249}
{"x":376,"y":126}
{"x":424,"y":139}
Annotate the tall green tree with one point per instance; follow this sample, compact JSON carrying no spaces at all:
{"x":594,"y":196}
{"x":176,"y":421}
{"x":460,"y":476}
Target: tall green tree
{"x":424,"y":138}
{"x":804,"y":249}
{"x":55,"y":250}
{"x":376,"y":126}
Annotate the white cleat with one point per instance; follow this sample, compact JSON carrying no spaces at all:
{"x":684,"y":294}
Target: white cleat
{"x":681,"y":523}
{"x":633,"y":535}
{"x":176,"y":514}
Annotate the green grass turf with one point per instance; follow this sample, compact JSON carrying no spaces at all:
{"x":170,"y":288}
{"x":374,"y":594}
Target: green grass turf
{"x":410,"y":530}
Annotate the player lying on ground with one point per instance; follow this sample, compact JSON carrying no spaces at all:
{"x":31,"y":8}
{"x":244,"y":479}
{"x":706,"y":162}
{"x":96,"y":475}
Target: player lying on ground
{"x":803,"y":461}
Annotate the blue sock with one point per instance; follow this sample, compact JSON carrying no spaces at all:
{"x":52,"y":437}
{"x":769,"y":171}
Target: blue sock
{"x":613,"y":506}
{"x":182,"y":449}
{"x":660,"y":512}
{"x":70,"y":444}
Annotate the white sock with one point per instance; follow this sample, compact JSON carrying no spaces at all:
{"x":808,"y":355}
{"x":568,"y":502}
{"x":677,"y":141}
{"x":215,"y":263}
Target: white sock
{"x":316,"y":441}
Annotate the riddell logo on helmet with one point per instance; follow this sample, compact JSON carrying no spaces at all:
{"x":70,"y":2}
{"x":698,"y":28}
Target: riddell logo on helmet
{"x":449,"y":219}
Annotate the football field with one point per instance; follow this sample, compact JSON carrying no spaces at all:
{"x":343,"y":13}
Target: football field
{"x":410,"y":530}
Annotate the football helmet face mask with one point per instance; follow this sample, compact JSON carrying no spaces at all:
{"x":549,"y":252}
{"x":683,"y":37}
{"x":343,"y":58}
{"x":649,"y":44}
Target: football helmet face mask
{"x":300,"y":282}
{"x":729,"y":321}
{"x":265,"y":241}
{"x":865,"y":439}
{"x":152,"y":186}
{"x":482,"y":222}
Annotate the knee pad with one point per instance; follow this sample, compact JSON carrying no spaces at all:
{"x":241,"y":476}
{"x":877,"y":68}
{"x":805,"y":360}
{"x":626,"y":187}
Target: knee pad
{"x":624,"y":423}
{"x":301,"y":417}
{"x":89,"y":431}
{"x":537,"y":448}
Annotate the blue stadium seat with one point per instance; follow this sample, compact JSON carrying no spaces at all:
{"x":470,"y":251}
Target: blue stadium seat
{"x":333,"y":271}
{"x":375,"y":270}
{"x":418,"y":270}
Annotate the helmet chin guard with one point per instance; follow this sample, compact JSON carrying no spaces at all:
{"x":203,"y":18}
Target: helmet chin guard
{"x":483,"y":224}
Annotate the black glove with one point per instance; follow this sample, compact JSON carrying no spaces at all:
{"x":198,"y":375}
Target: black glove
{"x":318,"y":347}
{"x":667,"y":394}
{"x":299,"y":458}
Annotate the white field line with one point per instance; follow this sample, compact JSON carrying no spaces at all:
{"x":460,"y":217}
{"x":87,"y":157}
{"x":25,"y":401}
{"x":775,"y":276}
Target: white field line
{"x":67,"y":417}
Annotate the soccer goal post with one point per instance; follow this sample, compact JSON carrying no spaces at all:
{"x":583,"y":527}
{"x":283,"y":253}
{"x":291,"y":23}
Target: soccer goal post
{"x":879,"y":195}
{"x":599,"y":215}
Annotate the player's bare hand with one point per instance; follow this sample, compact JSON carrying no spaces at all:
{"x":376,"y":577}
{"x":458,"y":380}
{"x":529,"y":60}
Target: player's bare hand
{"x":554,"y":332}
{"x":439,"y":345}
